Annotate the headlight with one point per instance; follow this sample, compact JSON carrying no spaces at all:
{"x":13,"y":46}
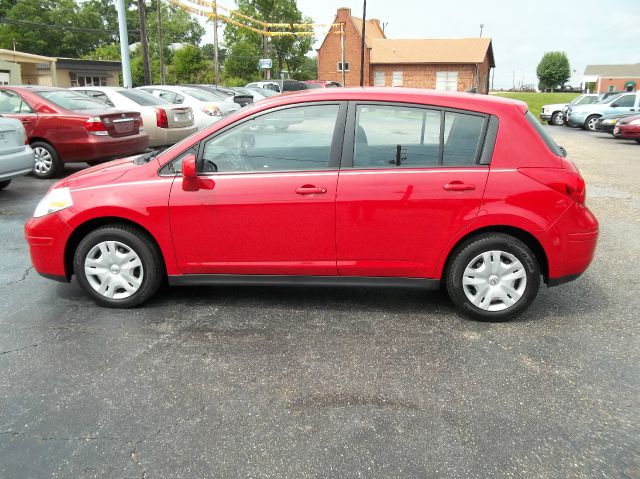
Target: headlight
{"x":56,"y":200}
{"x":610,"y":121}
{"x":635,"y":122}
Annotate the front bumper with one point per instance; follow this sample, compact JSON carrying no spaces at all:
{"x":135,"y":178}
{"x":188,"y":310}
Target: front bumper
{"x":545,"y":116}
{"x":628,"y":132}
{"x":606,"y":127}
{"x":47,"y":237}
{"x":576,"y":120}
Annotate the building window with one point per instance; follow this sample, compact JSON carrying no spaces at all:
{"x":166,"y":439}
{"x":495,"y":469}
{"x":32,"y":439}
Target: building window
{"x":97,"y":79}
{"x":346,"y":66}
{"x":378,"y":79}
{"x":611,"y":88}
{"x":396,"y":79}
{"x":447,"y":81}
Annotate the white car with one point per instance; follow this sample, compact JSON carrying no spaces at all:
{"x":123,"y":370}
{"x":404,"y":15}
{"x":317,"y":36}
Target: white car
{"x":555,"y":114}
{"x":165,"y":123}
{"x":207,"y":107}
{"x":16,"y":156}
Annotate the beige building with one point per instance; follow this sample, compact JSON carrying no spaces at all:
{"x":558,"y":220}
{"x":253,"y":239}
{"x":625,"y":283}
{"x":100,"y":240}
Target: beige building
{"x":19,"y":68}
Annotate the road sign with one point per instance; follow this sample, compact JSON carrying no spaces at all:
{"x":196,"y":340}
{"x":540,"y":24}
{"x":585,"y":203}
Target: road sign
{"x":265,"y":63}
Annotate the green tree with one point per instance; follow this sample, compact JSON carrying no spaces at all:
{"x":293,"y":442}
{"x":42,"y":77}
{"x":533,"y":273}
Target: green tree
{"x":553,"y":70}
{"x":188,"y":65}
{"x":287,"y":52}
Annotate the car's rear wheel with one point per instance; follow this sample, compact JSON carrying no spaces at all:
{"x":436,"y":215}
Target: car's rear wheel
{"x":48,"y":164}
{"x":590,"y":123}
{"x":557,"y":119}
{"x":4,"y":184}
{"x":493,"y":277}
{"x":118,"y":266}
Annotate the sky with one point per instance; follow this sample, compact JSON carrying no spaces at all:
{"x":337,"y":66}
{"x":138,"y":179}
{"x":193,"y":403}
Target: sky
{"x":589,"y":31}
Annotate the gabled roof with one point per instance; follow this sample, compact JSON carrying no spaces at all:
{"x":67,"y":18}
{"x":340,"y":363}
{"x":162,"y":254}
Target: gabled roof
{"x":631,"y":70}
{"x":432,"y":50}
{"x":22,"y":57}
{"x":372,"y":30}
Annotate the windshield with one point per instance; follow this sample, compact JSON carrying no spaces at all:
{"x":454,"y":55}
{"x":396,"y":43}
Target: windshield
{"x":201,"y":95}
{"x":72,"y":100}
{"x":266,"y":92}
{"x":143,"y":98}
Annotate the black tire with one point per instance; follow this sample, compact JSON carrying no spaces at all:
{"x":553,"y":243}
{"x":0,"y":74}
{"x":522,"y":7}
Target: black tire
{"x":4,"y":184}
{"x":470,"y":249}
{"x":557,"y":119}
{"x":590,"y":123}
{"x":636,"y":140}
{"x":39,"y":170}
{"x":137,"y":241}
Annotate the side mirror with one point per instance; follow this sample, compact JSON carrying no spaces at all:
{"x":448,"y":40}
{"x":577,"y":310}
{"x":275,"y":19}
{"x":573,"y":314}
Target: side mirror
{"x":190,"y":179}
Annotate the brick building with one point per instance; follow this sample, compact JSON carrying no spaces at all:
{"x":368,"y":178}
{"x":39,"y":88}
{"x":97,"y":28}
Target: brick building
{"x":603,"y":78}
{"x":457,"y":64}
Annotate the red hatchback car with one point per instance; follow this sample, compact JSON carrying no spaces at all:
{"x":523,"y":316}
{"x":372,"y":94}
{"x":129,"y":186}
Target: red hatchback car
{"x":64,"y":126}
{"x":628,"y":128}
{"x":386,"y":187}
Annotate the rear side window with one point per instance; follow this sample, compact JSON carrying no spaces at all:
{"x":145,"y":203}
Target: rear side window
{"x":72,"y":100}
{"x":142,"y":98}
{"x":543,"y":134}
{"x":413,"y":137}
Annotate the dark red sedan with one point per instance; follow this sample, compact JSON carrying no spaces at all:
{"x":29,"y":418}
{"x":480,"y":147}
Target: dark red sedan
{"x":628,"y":128}
{"x":366,"y":187}
{"x":64,"y":126}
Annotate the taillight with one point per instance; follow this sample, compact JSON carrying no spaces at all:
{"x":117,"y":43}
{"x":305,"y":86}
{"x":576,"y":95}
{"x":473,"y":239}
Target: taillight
{"x":95,"y":126}
{"x":565,"y":181}
{"x":161,"y":118}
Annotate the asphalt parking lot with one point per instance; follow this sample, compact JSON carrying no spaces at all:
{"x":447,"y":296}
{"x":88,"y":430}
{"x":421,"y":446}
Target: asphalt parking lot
{"x":310,"y":382}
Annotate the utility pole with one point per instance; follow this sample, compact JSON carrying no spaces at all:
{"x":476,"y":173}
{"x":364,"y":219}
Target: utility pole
{"x":362,"y":45}
{"x":124,"y":44}
{"x":216,"y":60}
{"x":144,"y":41}
{"x":160,"y":47}
{"x":481,"y":27}
{"x":344,"y":76}
{"x":265,"y":52}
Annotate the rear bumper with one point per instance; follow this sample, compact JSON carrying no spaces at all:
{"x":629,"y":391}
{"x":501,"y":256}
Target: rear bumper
{"x":17,"y":164}
{"x":545,"y":116}
{"x":105,"y":148}
{"x":571,"y":244}
{"x":169,"y":136}
{"x":47,"y":237}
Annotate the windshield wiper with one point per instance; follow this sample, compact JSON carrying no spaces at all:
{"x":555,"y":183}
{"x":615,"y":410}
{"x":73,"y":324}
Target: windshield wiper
{"x":145,"y":158}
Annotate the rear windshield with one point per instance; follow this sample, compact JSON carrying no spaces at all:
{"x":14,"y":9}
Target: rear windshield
{"x":72,"y":100}
{"x":201,"y":94}
{"x":143,"y":98}
{"x":544,"y":135}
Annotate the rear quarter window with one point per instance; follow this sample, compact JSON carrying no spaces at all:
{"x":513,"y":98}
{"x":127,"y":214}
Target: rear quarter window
{"x":543,"y":134}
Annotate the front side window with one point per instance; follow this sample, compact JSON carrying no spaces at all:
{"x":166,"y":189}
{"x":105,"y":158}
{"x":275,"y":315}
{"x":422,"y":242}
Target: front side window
{"x":293,"y":139}
{"x":447,"y":81}
{"x":11,"y":102}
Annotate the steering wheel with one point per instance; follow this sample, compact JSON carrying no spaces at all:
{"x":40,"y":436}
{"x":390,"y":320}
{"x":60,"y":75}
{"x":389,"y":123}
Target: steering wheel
{"x":229,"y":161}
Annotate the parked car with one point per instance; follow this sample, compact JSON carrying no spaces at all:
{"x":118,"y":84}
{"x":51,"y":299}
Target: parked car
{"x":586,"y":116}
{"x":263,"y":92}
{"x":207,"y":107}
{"x":554,"y":114}
{"x":227,"y":94}
{"x":310,"y":84}
{"x":269,"y":85}
{"x":608,"y":123}
{"x":65,"y":126}
{"x":280,"y":86}
{"x":165,"y":123}
{"x":628,"y":128}
{"x":376,"y":187}
{"x":16,"y":156}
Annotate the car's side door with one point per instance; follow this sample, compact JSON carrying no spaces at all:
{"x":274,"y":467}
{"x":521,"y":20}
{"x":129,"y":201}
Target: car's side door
{"x":625,"y":103}
{"x":12,"y":105}
{"x":412,"y":176}
{"x":271,"y":210}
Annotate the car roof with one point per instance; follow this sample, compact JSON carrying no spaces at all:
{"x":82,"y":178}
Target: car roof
{"x":99,"y":88}
{"x":461,"y":100}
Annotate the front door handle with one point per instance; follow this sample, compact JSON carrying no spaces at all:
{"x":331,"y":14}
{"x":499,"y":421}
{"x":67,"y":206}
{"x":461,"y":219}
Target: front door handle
{"x":311,"y":190}
{"x":459,"y":186}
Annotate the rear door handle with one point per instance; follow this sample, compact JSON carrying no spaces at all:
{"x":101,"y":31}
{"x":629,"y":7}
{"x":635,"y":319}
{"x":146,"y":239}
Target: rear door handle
{"x":459,"y":186}
{"x":311,"y":190}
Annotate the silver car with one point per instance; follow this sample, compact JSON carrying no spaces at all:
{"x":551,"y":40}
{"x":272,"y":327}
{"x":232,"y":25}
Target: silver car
{"x":586,"y":116}
{"x":16,"y":156}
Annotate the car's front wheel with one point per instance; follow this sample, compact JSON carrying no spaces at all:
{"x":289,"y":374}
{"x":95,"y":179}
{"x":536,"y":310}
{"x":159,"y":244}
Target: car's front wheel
{"x":4,"y":184}
{"x":557,"y":119}
{"x":590,"y":123}
{"x":118,"y":266}
{"x":493,"y":277}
